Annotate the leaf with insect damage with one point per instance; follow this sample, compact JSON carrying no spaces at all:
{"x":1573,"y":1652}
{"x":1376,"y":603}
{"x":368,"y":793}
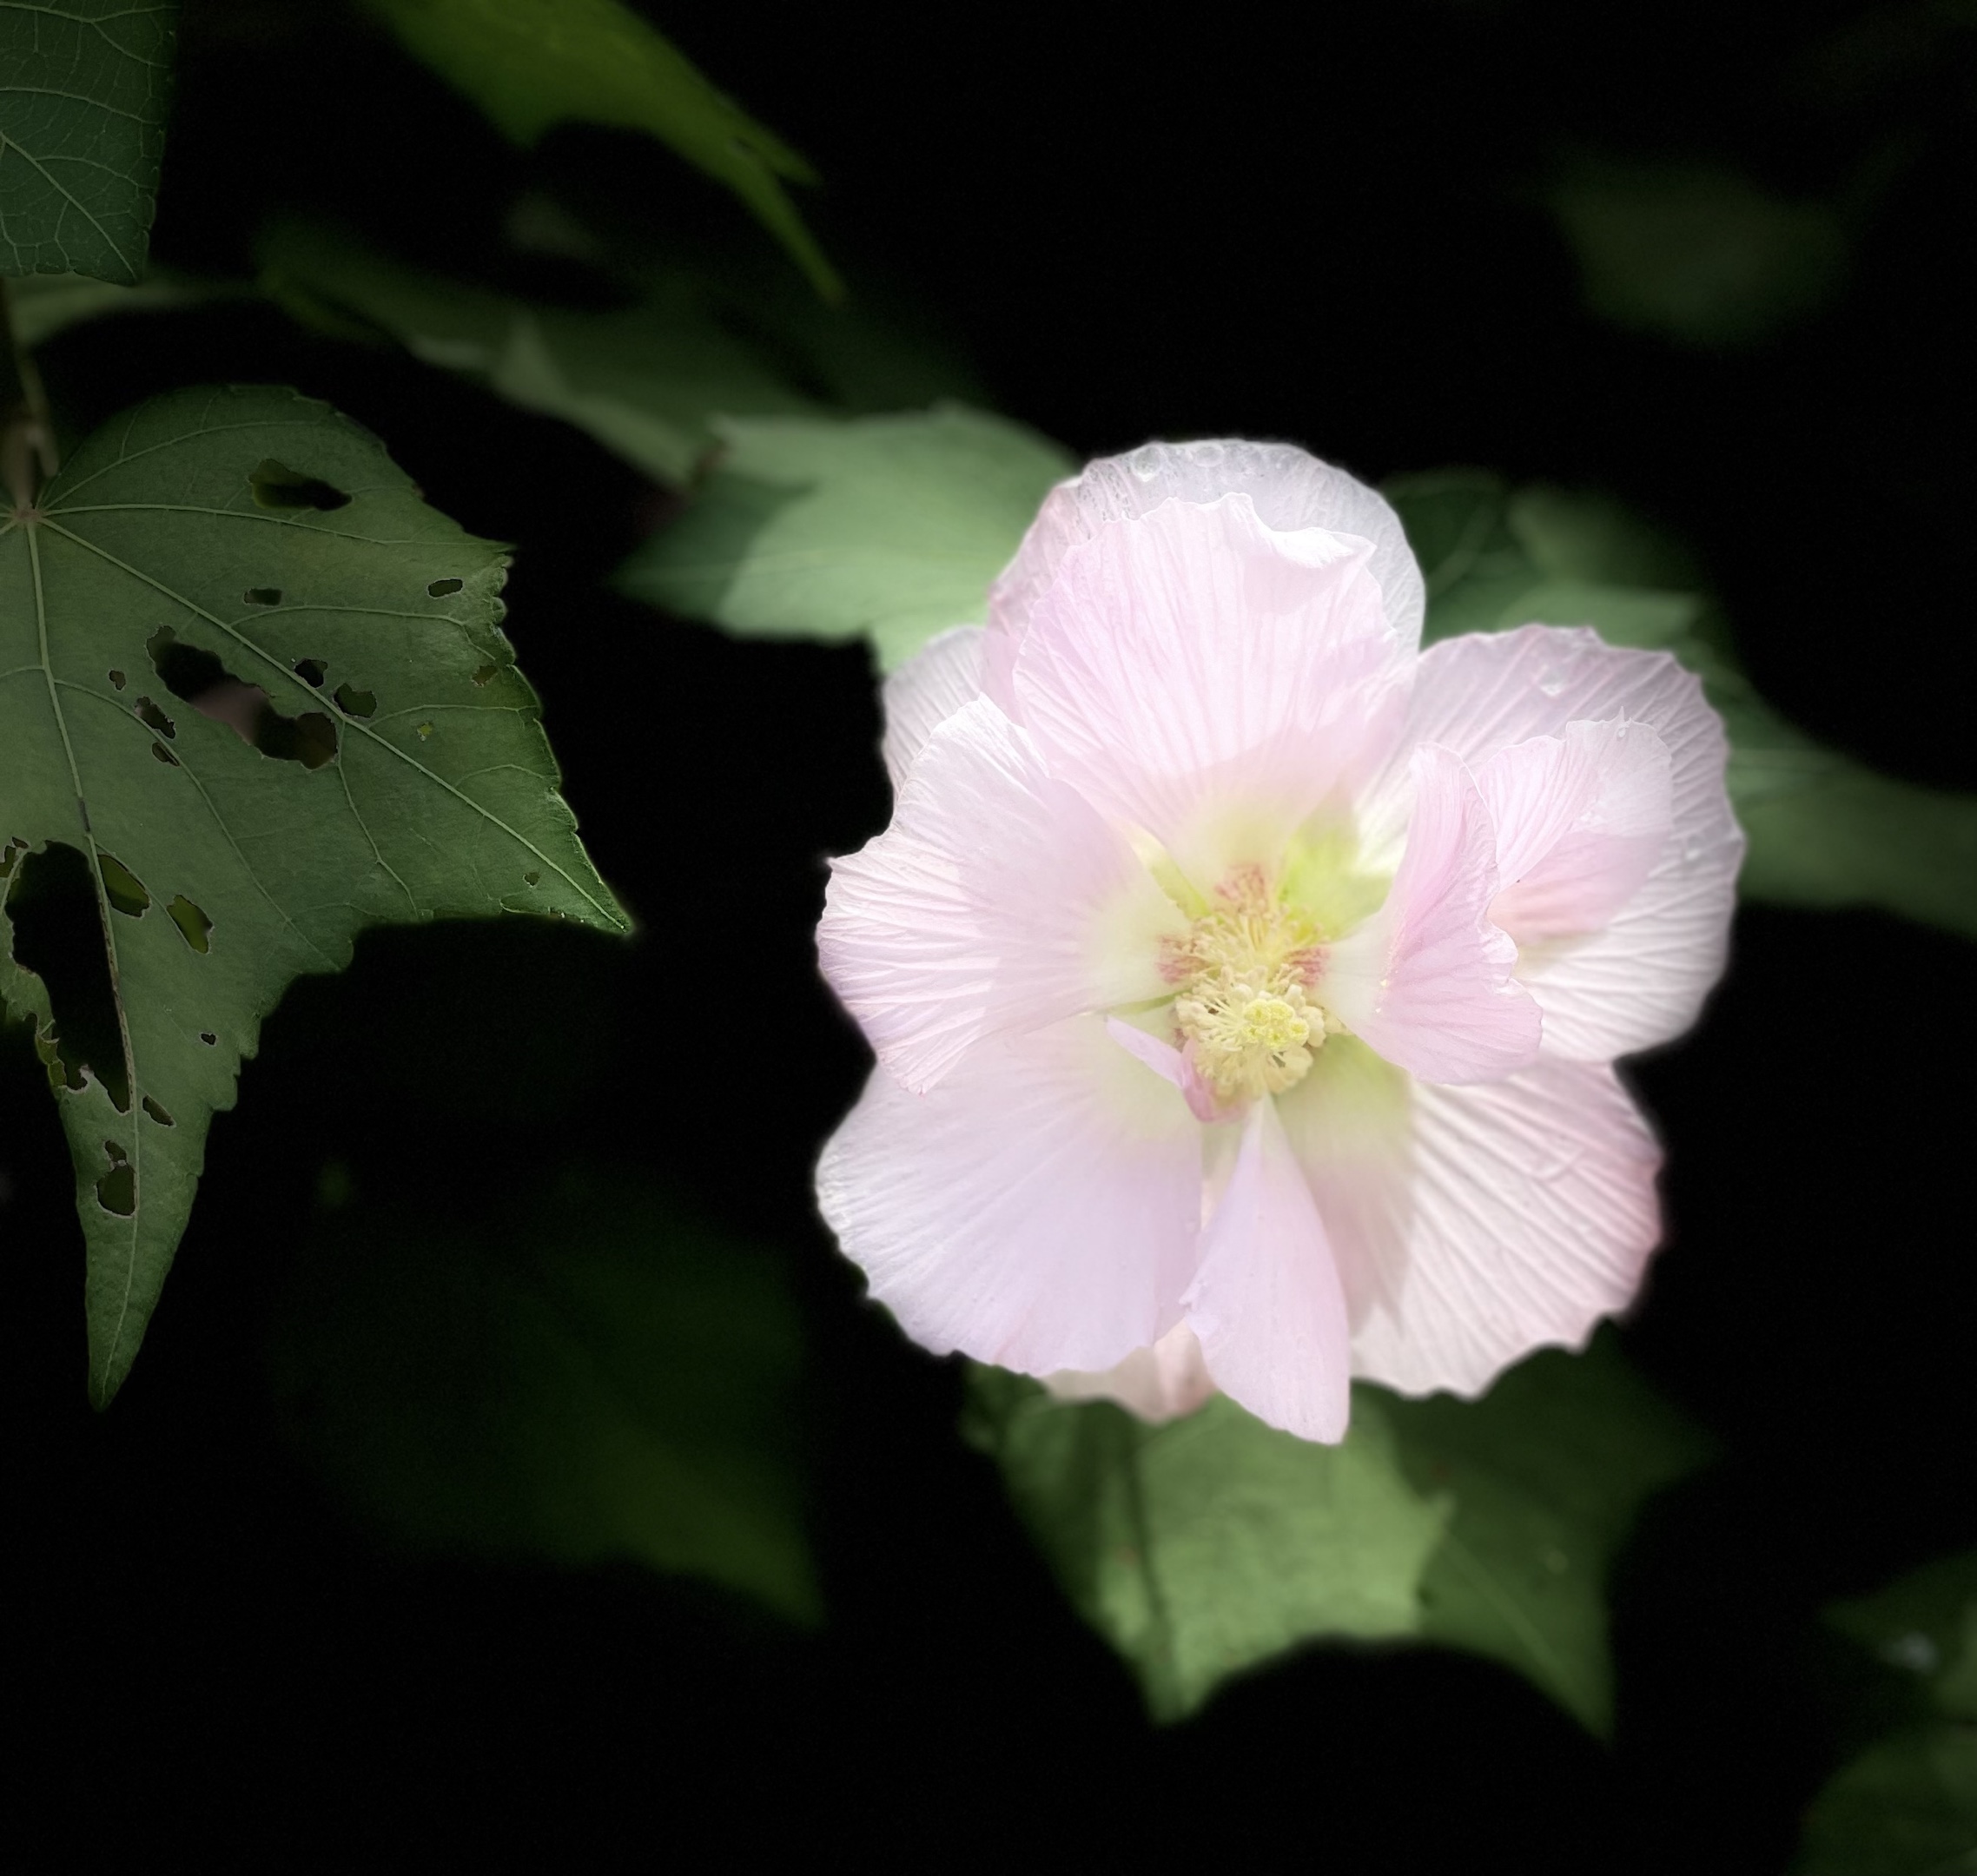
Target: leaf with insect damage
{"x":253,"y":697}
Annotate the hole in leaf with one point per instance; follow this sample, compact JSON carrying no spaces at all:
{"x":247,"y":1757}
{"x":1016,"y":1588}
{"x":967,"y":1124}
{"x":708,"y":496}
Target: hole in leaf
{"x":440,"y":588}
{"x":263,"y":596}
{"x":59,"y":934}
{"x":184,"y":670}
{"x":157,"y":1113}
{"x":116,"y":1190}
{"x":309,"y":739}
{"x":532,"y":879}
{"x":487,"y":675}
{"x":193,"y":925}
{"x":312,"y":670}
{"x":164,"y":755}
{"x":126,"y":890}
{"x":117,"y":680}
{"x":276,"y":485}
{"x":214,"y":692}
{"x":152,"y":718}
{"x":356,"y":703}
{"x":8,"y":853}
{"x":239,"y":706}
{"x":208,"y":1038}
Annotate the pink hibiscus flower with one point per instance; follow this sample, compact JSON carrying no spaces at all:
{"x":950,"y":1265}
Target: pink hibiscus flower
{"x":1245,"y":982}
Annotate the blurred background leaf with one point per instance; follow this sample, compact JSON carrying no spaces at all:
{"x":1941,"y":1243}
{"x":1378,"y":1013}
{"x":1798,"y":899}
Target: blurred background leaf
{"x":648,"y":373}
{"x":531,"y":64}
{"x":1697,"y":252}
{"x":644,"y":379}
{"x":1906,"y":1804}
{"x":596,"y":1375}
{"x":890,"y":528}
{"x":44,"y":304}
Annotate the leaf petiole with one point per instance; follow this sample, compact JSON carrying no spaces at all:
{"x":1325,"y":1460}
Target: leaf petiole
{"x":27,"y":438}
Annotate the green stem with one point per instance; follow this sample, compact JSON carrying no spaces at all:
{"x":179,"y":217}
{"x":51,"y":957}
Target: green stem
{"x":27,"y":438}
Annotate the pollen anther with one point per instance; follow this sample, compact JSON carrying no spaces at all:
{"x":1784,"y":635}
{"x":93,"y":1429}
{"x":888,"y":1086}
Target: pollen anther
{"x":1243,"y":1000}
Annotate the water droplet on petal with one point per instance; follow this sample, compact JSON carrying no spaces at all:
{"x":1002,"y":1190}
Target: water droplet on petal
{"x":1551,"y":682}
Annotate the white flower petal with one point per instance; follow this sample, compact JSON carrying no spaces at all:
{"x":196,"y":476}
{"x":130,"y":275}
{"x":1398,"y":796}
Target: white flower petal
{"x":1291,"y":491}
{"x":997,"y":900}
{"x":1581,"y":820}
{"x":1266,"y":1303}
{"x":1427,"y":981}
{"x":1194,"y":666}
{"x":925,"y":692}
{"x":1474,"y":1225}
{"x":1158,"y":1384}
{"x":1641,"y":978}
{"x":1040,"y":1209}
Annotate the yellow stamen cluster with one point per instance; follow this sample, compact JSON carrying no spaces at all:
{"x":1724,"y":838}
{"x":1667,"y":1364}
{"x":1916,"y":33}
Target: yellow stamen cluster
{"x":1244,"y":974}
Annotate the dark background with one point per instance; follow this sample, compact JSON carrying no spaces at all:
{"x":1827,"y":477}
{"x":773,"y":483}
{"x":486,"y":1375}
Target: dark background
{"x":1325,"y":224}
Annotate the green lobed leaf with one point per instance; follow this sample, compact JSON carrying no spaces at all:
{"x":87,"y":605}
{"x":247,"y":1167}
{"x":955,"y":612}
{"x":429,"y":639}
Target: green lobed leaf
{"x":595,"y":1375}
{"x":530,"y":63}
{"x":1824,"y":830}
{"x":81,"y":129}
{"x":1906,"y":1805}
{"x":887,"y":527}
{"x":214,"y":540}
{"x":1214,"y":1543}
{"x":1544,"y":1476}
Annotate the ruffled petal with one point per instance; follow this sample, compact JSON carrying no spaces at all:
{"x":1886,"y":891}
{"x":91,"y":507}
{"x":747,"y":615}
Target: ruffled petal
{"x":1040,"y":1209}
{"x":1580,"y":820}
{"x":1474,"y":1225}
{"x":1157,"y":1383}
{"x":1427,"y":981}
{"x":1198,"y":675}
{"x":1289,"y":490}
{"x":925,"y":692}
{"x":1641,"y":977}
{"x":997,"y":900}
{"x":1266,"y":1303}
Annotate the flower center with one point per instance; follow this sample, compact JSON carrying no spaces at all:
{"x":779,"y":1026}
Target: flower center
{"x":1244,"y":976}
